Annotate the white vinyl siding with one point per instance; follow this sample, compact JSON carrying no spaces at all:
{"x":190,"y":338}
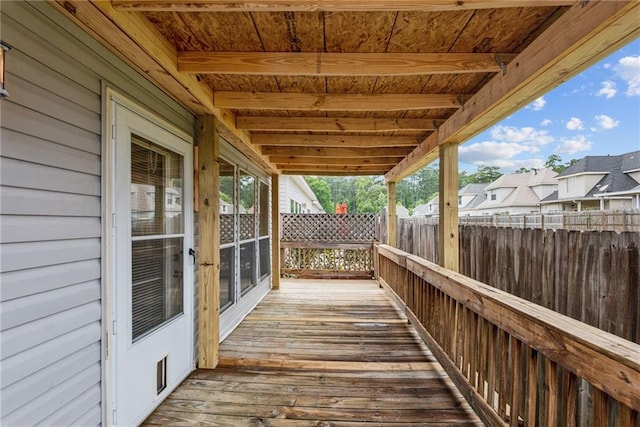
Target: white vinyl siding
{"x":51,"y":306}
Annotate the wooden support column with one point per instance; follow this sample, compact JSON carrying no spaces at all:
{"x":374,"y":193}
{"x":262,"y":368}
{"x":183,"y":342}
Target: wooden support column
{"x":448,"y":229}
{"x":209,"y":251}
{"x":275,"y":231}
{"x":392,"y":218}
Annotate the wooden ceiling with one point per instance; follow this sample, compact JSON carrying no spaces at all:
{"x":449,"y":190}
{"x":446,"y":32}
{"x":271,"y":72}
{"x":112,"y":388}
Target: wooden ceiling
{"x":356,"y":87}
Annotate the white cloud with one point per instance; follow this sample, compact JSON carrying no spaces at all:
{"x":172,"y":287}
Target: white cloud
{"x":506,"y":143}
{"x":628,"y":69}
{"x":605,"y":122}
{"x":526,"y":135}
{"x":546,"y":122}
{"x":574,"y":145}
{"x":607,"y":66}
{"x":538,"y":104}
{"x":575,"y":124}
{"x":608,"y":89}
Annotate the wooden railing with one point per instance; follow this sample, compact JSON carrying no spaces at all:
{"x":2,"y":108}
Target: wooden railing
{"x":516,"y":363}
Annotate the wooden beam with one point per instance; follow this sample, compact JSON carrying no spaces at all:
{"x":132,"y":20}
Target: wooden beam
{"x":209,"y":241}
{"x":326,"y":5}
{"x":334,"y":102}
{"x":339,"y":64}
{"x":346,"y":161}
{"x":300,"y":140}
{"x":139,"y":43}
{"x":334,"y":172}
{"x":448,"y":199}
{"x":308,"y":169}
{"x":275,"y":232}
{"x":334,"y":152}
{"x":580,"y":37}
{"x":392,"y":217}
{"x":328,"y":124}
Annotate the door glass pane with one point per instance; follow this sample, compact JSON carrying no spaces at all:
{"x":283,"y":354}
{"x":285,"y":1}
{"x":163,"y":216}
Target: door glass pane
{"x":247,"y":266}
{"x":247,"y":206}
{"x":156,"y":190}
{"x":157,"y":283}
{"x":156,"y":259}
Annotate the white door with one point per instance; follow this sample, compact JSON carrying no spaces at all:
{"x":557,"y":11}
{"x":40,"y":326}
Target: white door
{"x":151,"y":284}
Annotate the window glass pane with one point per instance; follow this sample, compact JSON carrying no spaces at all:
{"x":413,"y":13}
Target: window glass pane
{"x":247,"y":206}
{"x":265,"y":257}
{"x":227,"y":276}
{"x":264,"y":210}
{"x":156,"y":289}
{"x":156,"y":190}
{"x":227,"y":202}
{"x":247,"y":266}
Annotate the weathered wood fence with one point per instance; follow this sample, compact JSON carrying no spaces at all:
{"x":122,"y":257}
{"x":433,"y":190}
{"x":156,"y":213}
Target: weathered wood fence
{"x":592,"y":276}
{"x":327,"y":245}
{"x":619,"y":221}
{"x":515,"y":362}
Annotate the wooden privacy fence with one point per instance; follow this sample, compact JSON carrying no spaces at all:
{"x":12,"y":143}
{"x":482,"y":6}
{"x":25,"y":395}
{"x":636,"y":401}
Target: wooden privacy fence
{"x":591,"y":276}
{"x":517,"y":363}
{"x":327,"y":245}
{"x":619,"y":221}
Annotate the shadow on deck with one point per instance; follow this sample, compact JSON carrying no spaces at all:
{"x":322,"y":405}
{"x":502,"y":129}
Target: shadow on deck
{"x":320,"y":353}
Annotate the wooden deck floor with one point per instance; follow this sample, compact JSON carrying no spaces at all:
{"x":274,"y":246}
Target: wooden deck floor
{"x":320,"y":353}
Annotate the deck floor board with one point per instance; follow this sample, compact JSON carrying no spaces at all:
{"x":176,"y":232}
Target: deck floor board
{"x":320,"y":353}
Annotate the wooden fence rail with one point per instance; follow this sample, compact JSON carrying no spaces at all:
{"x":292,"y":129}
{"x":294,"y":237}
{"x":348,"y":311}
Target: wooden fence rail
{"x":517,"y":363}
{"x":591,"y":276}
{"x":619,"y":221}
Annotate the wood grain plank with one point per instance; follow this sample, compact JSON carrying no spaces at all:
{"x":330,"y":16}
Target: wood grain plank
{"x":338,"y":64}
{"x":324,"y":5}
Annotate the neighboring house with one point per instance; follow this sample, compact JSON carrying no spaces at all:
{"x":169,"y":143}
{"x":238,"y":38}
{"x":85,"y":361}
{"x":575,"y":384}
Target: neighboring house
{"x":518,"y":193}
{"x":297,"y":197}
{"x":431,"y":208}
{"x":469,"y":197}
{"x":598,"y":182}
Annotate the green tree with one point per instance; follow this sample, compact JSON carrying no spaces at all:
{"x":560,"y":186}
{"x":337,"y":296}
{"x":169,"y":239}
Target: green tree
{"x":486,"y":174}
{"x":555,"y":162}
{"x":371,"y":195}
{"x":322,"y":191}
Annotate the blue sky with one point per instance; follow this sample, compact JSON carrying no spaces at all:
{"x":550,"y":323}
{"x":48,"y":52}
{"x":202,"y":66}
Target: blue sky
{"x":595,"y":113}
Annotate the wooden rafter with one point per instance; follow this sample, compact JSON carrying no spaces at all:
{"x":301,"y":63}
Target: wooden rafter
{"x":313,"y":169}
{"x":326,"y":5}
{"x":335,"y":152}
{"x":339,"y":64}
{"x":138,"y":42}
{"x":334,"y":102}
{"x":580,"y":37}
{"x":326,"y":124}
{"x":347,"y":161}
{"x":333,"y":140}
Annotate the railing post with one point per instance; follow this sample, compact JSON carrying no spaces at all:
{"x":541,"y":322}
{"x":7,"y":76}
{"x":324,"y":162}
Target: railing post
{"x":392,"y":218}
{"x":209,"y":235}
{"x":449,"y":245}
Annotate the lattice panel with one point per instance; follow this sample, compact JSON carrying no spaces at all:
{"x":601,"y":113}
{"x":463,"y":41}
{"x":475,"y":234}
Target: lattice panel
{"x":226,"y":228}
{"x":328,"y":228}
{"x":339,"y":260}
